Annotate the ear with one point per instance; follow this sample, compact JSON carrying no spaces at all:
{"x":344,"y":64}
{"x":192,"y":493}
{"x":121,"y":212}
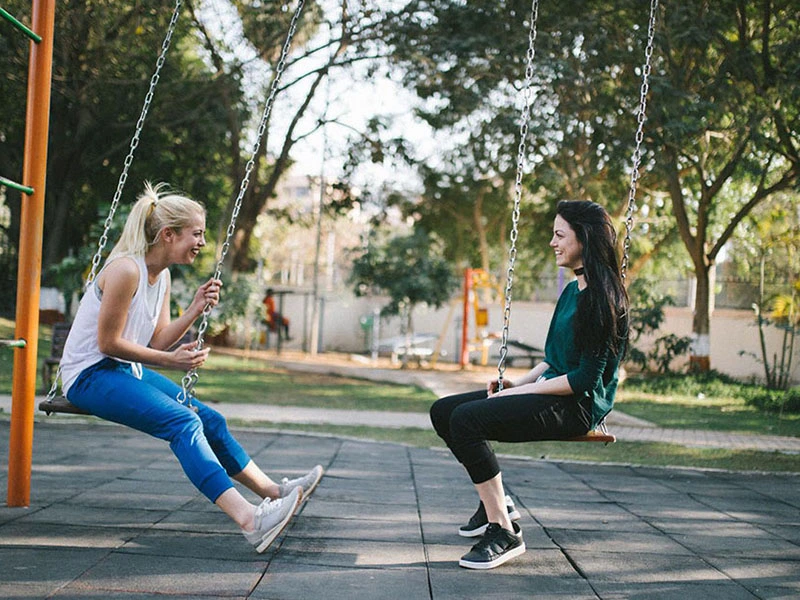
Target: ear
{"x":168,"y":234}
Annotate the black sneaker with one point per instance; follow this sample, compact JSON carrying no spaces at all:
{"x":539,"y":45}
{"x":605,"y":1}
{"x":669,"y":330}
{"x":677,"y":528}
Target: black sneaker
{"x":496,"y":547}
{"x":478,"y":522}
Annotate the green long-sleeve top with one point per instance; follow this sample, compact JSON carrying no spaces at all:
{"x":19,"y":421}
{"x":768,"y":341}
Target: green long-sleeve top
{"x":589,"y":375}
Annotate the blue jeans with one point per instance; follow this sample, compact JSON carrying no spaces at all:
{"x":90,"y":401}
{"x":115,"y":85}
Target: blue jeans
{"x":200,"y":440}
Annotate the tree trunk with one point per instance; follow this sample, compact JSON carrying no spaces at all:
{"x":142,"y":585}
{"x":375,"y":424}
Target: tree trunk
{"x":700,"y":358}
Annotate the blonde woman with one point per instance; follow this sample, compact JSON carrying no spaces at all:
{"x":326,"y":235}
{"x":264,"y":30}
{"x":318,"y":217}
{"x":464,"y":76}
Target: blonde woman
{"x":123,"y":322}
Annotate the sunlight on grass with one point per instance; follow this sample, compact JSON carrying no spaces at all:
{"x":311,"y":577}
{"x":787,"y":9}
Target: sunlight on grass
{"x":715,"y":414}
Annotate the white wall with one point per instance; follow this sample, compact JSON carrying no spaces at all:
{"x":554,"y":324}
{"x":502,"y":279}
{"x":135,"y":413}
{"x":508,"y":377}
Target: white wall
{"x":732,"y":331}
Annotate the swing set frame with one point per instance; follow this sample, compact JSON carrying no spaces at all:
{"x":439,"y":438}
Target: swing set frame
{"x":32,"y":225}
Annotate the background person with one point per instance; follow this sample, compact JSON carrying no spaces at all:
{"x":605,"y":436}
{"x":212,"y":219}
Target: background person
{"x":275,"y":320}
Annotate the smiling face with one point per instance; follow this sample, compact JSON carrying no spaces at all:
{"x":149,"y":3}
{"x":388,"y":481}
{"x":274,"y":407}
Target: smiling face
{"x":565,"y":243}
{"x":187,"y":243}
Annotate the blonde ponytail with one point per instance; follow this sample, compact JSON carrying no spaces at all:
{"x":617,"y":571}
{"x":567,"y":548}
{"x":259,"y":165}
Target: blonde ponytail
{"x":155,"y":209}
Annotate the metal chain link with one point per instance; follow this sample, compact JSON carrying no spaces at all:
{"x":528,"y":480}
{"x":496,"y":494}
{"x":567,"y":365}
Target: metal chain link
{"x":637,"y":153}
{"x":523,"y":136}
{"x":637,"y":156}
{"x":123,"y":177}
{"x":190,"y":379}
{"x":98,"y":256}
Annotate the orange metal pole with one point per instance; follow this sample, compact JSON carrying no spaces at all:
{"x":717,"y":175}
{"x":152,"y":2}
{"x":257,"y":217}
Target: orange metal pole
{"x":37,"y":118}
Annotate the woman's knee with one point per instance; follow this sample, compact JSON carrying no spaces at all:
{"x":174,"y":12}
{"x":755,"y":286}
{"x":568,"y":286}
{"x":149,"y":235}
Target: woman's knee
{"x":185,"y":424}
{"x":463,"y":424}
{"x":440,"y":415}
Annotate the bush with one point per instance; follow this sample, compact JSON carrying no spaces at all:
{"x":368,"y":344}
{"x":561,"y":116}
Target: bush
{"x":776,"y":401}
{"x":647,"y":316}
{"x":710,"y":383}
{"x":717,"y":385}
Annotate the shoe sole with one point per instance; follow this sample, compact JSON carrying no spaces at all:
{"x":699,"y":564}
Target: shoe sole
{"x":470,"y":533}
{"x":504,"y":558}
{"x":270,"y":536}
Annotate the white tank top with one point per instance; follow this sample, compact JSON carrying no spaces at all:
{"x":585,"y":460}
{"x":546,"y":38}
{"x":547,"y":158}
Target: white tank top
{"x":81,"y":349}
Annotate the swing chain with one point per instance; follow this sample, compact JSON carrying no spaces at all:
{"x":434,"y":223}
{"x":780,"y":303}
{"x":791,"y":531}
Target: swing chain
{"x":123,"y":177}
{"x":523,"y":134}
{"x":637,"y":153}
{"x":98,"y":256}
{"x":190,"y":379}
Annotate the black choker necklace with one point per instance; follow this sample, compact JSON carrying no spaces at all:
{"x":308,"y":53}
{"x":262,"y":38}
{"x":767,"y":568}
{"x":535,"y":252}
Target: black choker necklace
{"x":578,"y":271}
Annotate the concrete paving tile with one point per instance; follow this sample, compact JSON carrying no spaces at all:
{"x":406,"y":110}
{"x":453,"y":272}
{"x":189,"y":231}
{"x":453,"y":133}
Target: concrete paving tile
{"x":756,"y":573}
{"x":716,"y":527}
{"x":166,"y":544}
{"x":120,"y":572}
{"x":296,"y":581}
{"x":766,"y":514}
{"x":762,"y":547}
{"x":12,"y":513}
{"x":375,"y":531}
{"x":25,"y":533}
{"x":161,"y":472}
{"x":588,"y":517}
{"x":790,"y":533}
{"x":70,"y":593}
{"x":200,"y":521}
{"x":745,"y":500}
{"x":673,"y":591}
{"x":350,"y":553}
{"x":52,"y":567}
{"x":370,"y":493}
{"x":25,"y":591}
{"x":638,"y":568}
{"x":370,"y":510}
{"x":548,"y":495}
{"x":152,"y":500}
{"x":539,"y":574}
{"x":181,"y":486}
{"x":689,"y":510}
{"x":75,"y":514}
{"x":775,"y":593}
{"x":622,"y":542}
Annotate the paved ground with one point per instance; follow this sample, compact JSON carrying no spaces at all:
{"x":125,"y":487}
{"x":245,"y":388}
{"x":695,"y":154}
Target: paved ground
{"x":112,"y":515}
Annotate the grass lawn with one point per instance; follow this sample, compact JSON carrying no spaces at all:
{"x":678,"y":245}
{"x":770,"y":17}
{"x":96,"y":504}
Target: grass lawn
{"x":710,"y":413}
{"x":232,"y":379}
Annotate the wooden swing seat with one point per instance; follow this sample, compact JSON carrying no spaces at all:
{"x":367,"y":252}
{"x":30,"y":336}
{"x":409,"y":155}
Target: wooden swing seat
{"x":60,"y":404}
{"x":594,"y":436}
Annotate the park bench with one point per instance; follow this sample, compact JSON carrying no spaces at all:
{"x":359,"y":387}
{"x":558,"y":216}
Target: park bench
{"x":57,"y":341}
{"x":520,"y":351}
{"x":59,"y":404}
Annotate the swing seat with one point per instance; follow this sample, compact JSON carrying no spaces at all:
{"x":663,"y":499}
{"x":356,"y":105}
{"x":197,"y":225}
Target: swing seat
{"x":60,"y":404}
{"x":594,"y":436}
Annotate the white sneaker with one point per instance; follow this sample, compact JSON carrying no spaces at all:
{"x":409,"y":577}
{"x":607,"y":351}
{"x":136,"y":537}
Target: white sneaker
{"x":308,"y":482}
{"x":272,"y":516}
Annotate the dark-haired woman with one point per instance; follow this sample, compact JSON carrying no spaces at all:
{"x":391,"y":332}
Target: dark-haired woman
{"x":566,"y":395}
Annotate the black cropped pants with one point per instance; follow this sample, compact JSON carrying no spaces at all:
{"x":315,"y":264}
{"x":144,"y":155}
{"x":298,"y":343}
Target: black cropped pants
{"x":468,"y":422}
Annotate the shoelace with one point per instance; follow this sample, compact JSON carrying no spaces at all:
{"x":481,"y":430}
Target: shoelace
{"x":269,"y":507}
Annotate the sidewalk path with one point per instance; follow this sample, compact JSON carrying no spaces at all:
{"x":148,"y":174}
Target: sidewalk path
{"x":113,"y":516}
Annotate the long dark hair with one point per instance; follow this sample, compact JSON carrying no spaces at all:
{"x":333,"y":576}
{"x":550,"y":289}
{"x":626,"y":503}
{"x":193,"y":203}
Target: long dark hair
{"x":602,"y":315}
